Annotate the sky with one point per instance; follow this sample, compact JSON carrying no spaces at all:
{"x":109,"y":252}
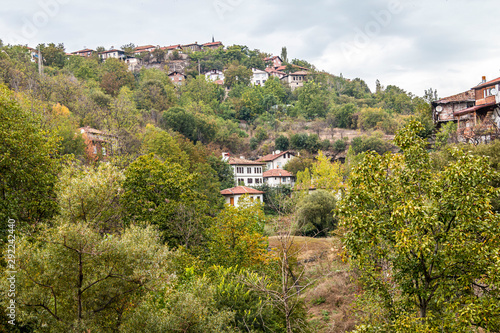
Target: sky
{"x":446,"y":45}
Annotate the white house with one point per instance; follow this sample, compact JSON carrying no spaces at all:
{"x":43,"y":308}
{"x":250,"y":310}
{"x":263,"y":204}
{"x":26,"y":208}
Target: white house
{"x":214,"y":75}
{"x":113,"y":53}
{"x":259,"y":77}
{"x":277,"y":160}
{"x":246,"y":172}
{"x":276,"y":177}
{"x":234,"y":194}
{"x":296,"y":80}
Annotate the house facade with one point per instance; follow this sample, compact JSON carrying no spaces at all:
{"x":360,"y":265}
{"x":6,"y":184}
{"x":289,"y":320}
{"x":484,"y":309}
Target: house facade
{"x":84,"y":53}
{"x":233,"y":195}
{"x":214,"y":75}
{"x":274,"y":60}
{"x":145,"y":48}
{"x":277,"y":159}
{"x":246,"y":172}
{"x":443,"y":109}
{"x":295,"y":80}
{"x":194,"y":47}
{"x":177,"y":78}
{"x":481,"y":122}
{"x":113,"y":53}
{"x":259,"y":77}
{"x":99,"y":145}
{"x":278,"y":177}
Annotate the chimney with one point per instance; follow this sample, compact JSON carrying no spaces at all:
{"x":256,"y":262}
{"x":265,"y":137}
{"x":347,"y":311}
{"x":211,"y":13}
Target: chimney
{"x":484,"y":79}
{"x":225,"y":157}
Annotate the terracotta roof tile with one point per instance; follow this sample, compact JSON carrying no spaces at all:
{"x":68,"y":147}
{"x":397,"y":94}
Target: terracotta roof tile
{"x":481,"y":85}
{"x":240,"y":190}
{"x":277,"y":173}
{"x":464,"y":96}
{"x":272,"y":157}
{"x":239,"y":161}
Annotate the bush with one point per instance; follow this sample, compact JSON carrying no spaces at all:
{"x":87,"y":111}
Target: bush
{"x":281,"y":143}
{"x":339,"y":145}
{"x":325,"y":144}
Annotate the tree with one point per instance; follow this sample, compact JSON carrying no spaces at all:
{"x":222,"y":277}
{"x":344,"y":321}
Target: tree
{"x":284,"y":54}
{"x":224,"y":171}
{"x":28,"y":168}
{"x":315,"y":213}
{"x":312,"y":100}
{"x":344,"y":116}
{"x":237,"y":74}
{"x":236,"y":238}
{"x":53,"y":55}
{"x":71,"y":278}
{"x":91,"y":195}
{"x":163,"y":194}
{"x":281,"y":143}
{"x":115,"y":74}
{"x":425,"y":242}
{"x":128,"y":49}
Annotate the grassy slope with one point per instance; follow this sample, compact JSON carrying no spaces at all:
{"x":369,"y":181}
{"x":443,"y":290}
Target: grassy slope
{"x":329,"y":300}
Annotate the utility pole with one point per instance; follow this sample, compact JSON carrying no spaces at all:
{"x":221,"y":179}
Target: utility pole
{"x":199,"y":67}
{"x":40,"y":70}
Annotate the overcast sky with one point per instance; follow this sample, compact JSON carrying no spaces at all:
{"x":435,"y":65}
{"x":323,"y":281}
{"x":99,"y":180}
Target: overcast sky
{"x":414,"y":44}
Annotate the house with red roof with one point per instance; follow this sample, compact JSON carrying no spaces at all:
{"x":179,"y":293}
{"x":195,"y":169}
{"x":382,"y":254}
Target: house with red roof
{"x":84,"y":53}
{"x":259,"y":77}
{"x":277,"y":159}
{"x":278,"y":177}
{"x":275,"y":61}
{"x":99,"y":145}
{"x":481,"y":122}
{"x":233,"y":195}
{"x":212,"y":45}
{"x":296,"y":79}
{"x":177,"y":77}
{"x":113,"y":53}
{"x":246,"y":172}
{"x":443,"y":109}
{"x":144,"y":48}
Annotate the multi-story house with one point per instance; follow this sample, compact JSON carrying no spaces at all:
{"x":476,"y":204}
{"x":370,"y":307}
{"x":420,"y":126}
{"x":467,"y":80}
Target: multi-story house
{"x":259,"y":77}
{"x":296,"y":79}
{"x":113,"y":53}
{"x":443,"y":109}
{"x":277,"y":177}
{"x":234,"y":194}
{"x":277,"y":159}
{"x":214,"y":75}
{"x":177,"y":78}
{"x":481,"y":122}
{"x":84,"y":53}
{"x":213,"y":45}
{"x":246,"y":172}
{"x":274,"y":60}
{"x":99,"y":145}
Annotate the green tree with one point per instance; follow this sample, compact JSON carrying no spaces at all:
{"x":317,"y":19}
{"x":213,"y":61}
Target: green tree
{"x":344,"y":116}
{"x":237,"y":74}
{"x":164,"y":194}
{"x":128,"y":49}
{"x":315,"y":213}
{"x":28,"y":170}
{"x":71,"y":278}
{"x":312,"y":100}
{"x":53,"y":55}
{"x":115,"y":74}
{"x":425,"y":242}
{"x":281,"y":143}
{"x":224,"y":171}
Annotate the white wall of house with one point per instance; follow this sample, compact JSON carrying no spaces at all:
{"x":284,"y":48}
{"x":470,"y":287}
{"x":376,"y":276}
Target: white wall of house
{"x":237,"y":197}
{"x":280,"y":162}
{"x":214,"y":75}
{"x":259,"y":77}
{"x":276,"y":181}
{"x":248,"y":175}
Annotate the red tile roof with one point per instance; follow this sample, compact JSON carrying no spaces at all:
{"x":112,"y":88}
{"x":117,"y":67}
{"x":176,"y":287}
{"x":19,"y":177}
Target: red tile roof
{"x":240,"y":190}
{"x":144,"y":47}
{"x":277,"y":173}
{"x":172,"y":47}
{"x":83,"y":51}
{"x":464,"y":96}
{"x":240,"y":161}
{"x":212,"y":44}
{"x":272,"y":157}
{"x":481,"y":85}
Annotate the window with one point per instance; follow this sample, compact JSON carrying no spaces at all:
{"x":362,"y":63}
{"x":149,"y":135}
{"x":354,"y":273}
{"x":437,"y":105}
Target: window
{"x":104,"y":151}
{"x":240,"y":170}
{"x":249,"y":180}
{"x":249,"y":170}
{"x":257,"y":170}
{"x":95,"y":150}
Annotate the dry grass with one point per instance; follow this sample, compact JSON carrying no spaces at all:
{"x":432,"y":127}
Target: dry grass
{"x":329,"y":299}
